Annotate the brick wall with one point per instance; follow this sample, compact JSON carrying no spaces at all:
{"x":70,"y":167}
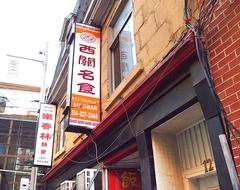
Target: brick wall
{"x":223,"y":41}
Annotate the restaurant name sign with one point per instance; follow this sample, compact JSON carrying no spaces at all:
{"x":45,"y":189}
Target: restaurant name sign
{"x":45,"y":135}
{"x":84,"y":80}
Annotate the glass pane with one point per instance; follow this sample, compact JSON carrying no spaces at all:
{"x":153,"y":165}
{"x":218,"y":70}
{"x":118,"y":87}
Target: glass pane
{"x":10,"y":163}
{"x":3,"y":148}
{"x":62,"y":137}
{"x":116,"y":66}
{"x":3,"y":139}
{"x":127,"y":48}
{"x":16,"y":152}
{"x":4,"y":126}
{"x":122,"y":18}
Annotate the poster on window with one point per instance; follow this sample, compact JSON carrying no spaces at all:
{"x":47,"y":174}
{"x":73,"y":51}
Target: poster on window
{"x":126,"y":52}
{"x":124,"y":179}
{"x":45,"y":135}
{"x":84,"y":108}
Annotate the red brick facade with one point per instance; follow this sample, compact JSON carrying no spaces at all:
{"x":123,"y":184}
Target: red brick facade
{"x":223,"y":41}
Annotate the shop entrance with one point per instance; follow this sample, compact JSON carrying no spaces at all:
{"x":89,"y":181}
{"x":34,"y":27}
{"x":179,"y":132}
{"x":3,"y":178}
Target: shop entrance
{"x":183,"y":154}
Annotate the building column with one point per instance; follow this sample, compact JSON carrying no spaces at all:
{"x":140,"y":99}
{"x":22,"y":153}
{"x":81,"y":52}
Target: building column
{"x":211,"y":113}
{"x":144,"y":143}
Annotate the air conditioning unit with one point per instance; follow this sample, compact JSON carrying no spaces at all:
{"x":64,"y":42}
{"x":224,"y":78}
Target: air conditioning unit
{"x":24,"y":184}
{"x":67,"y":185}
{"x":85,"y":177}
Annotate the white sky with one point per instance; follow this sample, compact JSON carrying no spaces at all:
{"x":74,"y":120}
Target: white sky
{"x":25,"y":27}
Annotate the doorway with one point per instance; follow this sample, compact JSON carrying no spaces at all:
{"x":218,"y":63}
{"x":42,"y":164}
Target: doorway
{"x":183,"y":154}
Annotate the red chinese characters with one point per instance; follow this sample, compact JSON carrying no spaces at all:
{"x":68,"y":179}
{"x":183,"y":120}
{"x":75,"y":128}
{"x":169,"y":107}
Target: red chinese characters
{"x":45,"y":136}
{"x":86,"y":88}
{"x":86,"y":61}
{"x":45,"y":133}
{"x":47,"y":116}
{"x":87,"y":74}
{"x":44,"y":144}
{"x":43,"y":151}
{"x":87,"y":49}
{"x":46,"y":126}
{"x":84,"y":83}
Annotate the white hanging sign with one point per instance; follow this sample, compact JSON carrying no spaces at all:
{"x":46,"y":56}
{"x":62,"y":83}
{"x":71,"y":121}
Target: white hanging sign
{"x":85,"y":80}
{"x":45,"y":135}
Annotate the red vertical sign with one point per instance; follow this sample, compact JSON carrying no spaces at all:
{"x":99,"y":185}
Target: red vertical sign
{"x":124,"y":179}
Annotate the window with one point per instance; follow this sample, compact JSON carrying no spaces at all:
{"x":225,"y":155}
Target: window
{"x":60,"y":130}
{"x":123,"y":53}
{"x":60,"y":136}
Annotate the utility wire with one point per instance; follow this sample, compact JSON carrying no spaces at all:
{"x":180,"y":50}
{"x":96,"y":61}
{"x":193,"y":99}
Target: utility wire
{"x":203,"y":21}
{"x":205,"y":14}
{"x":140,"y":108}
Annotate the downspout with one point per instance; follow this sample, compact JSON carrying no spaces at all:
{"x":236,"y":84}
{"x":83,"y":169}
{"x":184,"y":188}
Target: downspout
{"x":224,"y":138}
{"x":204,"y":64}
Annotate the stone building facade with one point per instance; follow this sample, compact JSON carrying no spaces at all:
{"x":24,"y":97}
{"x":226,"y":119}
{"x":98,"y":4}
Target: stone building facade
{"x":169,"y":96}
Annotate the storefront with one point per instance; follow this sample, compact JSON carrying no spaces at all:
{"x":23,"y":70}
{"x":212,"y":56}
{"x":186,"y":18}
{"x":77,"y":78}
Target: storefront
{"x":164,"y":134}
{"x":183,"y":153}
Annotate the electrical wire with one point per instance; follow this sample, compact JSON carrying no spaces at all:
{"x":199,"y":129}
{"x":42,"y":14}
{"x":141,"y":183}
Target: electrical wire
{"x":96,"y":149}
{"x":205,"y":66}
{"x":100,"y":156}
{"x":203,"y":21}
{"x":152,"y":90}
{"x":206,"y":14}
{"x":129,"y":122}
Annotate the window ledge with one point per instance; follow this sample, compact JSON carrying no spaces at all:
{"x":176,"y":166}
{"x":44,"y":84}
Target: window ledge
{"x":59,"y":153}
{"x":137,"y":70}
{"x":79,"y":136}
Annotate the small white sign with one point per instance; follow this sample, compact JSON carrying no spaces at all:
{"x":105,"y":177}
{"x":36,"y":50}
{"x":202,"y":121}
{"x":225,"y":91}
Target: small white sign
{"x":45,"y":135}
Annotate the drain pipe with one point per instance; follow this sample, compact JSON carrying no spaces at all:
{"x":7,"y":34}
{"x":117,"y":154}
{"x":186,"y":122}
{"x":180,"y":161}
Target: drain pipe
{"x":225,"y":143}
{"x":203,"y":59}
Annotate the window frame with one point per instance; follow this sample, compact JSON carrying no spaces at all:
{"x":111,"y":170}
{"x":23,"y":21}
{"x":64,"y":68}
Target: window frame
{"x":114,"y":42}
{"x":61,"y":136}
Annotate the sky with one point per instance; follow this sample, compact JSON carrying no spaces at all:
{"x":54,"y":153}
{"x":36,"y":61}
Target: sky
{"x":26,"y":27}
